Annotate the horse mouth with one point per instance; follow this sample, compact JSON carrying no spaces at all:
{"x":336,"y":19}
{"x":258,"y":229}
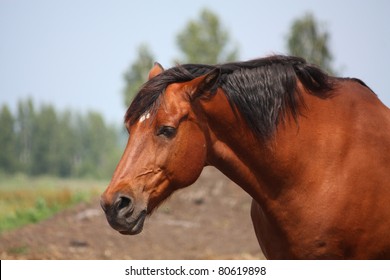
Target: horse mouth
{"x":134,"y":227}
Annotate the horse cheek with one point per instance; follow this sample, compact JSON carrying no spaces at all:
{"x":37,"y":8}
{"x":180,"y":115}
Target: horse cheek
{"x":190,"y":161}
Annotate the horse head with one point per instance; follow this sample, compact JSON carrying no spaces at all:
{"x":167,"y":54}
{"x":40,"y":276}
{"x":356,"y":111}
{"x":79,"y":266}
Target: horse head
{"x":166,"y":150}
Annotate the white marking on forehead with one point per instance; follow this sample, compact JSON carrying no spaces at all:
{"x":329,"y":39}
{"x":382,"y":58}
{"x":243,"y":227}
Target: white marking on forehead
{"x":144,"y":117}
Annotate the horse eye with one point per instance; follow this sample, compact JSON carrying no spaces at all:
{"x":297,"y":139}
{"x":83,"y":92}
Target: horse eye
{"x":166,"y":131}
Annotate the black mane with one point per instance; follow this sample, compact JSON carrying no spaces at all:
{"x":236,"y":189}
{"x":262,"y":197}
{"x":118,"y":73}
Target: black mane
{"x":262,"y":90}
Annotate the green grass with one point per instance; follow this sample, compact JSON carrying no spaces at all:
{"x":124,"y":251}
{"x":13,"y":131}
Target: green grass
{"x":25,"y":200}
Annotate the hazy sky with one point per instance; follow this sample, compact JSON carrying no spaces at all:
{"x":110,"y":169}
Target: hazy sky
{"x":73,"y":53}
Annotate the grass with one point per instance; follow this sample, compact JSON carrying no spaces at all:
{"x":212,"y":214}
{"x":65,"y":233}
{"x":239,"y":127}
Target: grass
{"x":25,"y":200}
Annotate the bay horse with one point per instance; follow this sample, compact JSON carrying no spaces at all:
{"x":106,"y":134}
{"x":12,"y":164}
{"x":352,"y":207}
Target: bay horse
{"x":312,"y":150}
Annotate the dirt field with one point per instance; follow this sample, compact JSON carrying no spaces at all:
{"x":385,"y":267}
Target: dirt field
{"x":209,"y":220}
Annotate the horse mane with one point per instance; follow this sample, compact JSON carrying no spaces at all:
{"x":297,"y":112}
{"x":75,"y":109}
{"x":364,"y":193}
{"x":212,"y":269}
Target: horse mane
{"x":262,"y":90}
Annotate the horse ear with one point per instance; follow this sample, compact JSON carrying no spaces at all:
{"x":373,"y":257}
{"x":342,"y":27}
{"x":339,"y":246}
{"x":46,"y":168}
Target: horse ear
{"x":205,"y":84}
{"x":157,"y":69}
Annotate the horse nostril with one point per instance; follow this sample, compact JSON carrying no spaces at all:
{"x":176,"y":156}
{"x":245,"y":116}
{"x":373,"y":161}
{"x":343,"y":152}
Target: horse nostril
{"x":123,"y":202}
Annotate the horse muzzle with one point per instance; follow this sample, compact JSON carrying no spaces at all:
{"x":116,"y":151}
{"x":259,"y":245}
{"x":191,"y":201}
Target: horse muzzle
{"x":124,"y":215}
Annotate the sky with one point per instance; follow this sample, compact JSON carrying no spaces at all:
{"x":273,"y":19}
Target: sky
{"x":73,"y":54}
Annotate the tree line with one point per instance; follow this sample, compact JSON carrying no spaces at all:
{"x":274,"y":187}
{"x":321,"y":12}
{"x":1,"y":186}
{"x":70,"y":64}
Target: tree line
{"x":40,"y":140}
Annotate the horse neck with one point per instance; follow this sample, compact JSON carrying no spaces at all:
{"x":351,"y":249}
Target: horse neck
{"x":251,"y":162}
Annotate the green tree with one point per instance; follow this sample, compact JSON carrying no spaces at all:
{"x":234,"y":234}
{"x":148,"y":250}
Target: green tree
{"x":309,"y":39}
{"x":7,"y":141}
{"x":206,"y":41}
{"x":66,"y":143}
{"x":45,"y":142}
{"x":137,"y":73}
{"x":98,"y":151}
{"x":25,"y":122}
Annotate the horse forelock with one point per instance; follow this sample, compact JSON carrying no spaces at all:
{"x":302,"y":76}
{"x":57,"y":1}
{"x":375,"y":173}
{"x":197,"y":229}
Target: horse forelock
{"x":151,"y":93}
